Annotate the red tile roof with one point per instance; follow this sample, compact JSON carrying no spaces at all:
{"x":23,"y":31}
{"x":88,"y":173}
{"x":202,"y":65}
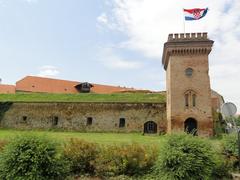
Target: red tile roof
{"x":49,"y":85}
{"x":7,"y":89}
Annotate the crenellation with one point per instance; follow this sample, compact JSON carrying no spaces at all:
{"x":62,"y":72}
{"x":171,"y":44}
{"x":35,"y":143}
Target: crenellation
{"x":187,"y":36}
{"x":193,"y":35}
{"x":199,"y":35}
{"x":205,"y":36}
{"x":176,"y":36}
{"x":170,"y":37}
{"x":182,"y":36}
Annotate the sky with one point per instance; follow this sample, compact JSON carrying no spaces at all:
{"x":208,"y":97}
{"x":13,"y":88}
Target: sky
{"x":116,"y":42}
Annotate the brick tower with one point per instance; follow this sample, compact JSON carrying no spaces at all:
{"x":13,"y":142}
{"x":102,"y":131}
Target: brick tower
{"x":185,"y":59}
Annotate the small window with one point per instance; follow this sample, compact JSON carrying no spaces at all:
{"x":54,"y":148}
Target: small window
{"x":189,"y":72}
{"x":122,"y":122}
{"x":55,"y":120}
{"x":24,"y":118}
{"x":89,"y":121}
{"x":194,"y":100}
{"x":186,"y":100}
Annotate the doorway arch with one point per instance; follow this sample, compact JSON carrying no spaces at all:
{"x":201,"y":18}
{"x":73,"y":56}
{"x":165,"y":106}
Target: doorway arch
{"x":150,"y":127}
{"x":190,"y":126}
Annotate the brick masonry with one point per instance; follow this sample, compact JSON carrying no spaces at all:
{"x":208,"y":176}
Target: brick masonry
{"x":183,"y":51}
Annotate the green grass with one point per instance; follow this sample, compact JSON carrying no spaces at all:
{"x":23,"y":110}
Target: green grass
{"x":88,"y":97}
{"x":102,"y":138}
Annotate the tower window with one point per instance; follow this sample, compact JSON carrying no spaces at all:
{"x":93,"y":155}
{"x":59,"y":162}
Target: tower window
{"x":122,"y":122}
{"x":190,"y":99}
{"x":89,"y":121}
{"x":186,"y":100}
{"x":189,"y":72}
{"x":194,"y":100}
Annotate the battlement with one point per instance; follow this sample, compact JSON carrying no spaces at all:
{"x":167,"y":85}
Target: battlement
{"x":187,"y":37}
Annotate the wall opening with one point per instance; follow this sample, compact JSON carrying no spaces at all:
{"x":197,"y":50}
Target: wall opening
{"x":190,"y":126}
{"x":150,"y":127}
{"x":55,"y":121}
{"x":89,"y":121}
{"x":122,"y":122}
{"x":24,"y":119}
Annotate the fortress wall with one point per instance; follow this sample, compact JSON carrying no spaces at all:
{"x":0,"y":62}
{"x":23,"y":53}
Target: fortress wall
{"x":73,"y":116}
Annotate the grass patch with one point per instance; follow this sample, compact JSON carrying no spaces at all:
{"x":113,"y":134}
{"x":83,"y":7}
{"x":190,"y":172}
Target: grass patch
{"x":84,"y":97}
{"x":101,"y":138}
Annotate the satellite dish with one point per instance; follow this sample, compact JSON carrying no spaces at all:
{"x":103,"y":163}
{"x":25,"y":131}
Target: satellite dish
{"x":228,"y":109}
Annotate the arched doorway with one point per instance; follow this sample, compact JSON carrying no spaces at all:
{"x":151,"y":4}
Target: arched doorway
{"x":190,"y":126}
{"x":150,"y":127}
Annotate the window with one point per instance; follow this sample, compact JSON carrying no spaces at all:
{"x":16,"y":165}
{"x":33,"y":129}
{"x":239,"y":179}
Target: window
{"x":194,"y":100}
{"x":84,"y":87}
{"x":24,"y":118}
{"x":186,"y":100}
{"x":190,"y":99}
{"x":89,"y":121}
{"x":189,"y":72}
{"x":55,"y":120}
{"x":122,"y":122}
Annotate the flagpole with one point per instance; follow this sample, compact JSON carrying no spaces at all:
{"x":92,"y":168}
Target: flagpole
{"x":183,"y":22}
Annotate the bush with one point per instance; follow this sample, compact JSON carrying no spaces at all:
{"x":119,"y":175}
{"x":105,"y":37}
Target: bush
{"x":81,"y":155}
{"x":230,"y":146}
{"x":133,"y":159}
{"x":221,"y":169}
{"x":230,"y":150}
{"x":31,"y":157}
{"x":184,"y":156}
{"x":3,"y":143}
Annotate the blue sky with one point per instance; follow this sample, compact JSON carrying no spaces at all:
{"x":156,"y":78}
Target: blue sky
{"x":116,"y":42}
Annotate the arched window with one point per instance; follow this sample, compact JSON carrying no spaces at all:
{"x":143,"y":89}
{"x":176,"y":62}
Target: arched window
{"x":186,"y":100}
{"x":194,"y":100}
{"x":150,"y":127}
{"x":190,"y":98}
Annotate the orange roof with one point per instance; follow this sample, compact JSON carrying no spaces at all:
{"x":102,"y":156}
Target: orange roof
{"x":7,"y":89}
{"x":49,"y":85}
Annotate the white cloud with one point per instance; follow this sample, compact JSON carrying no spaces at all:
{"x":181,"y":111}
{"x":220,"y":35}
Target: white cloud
{"x":102,"y":18}
{"x":112,"y":61}
{"x":48,"y":71}
{"x":147,"y":24}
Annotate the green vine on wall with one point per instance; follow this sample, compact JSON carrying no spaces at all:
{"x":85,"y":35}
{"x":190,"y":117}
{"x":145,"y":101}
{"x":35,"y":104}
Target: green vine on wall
{"x":4,"y":107}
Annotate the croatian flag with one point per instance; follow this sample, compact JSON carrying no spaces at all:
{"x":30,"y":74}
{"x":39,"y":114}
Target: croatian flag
{"x":194,"y":14}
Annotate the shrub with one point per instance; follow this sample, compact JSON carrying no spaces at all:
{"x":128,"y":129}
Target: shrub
{"x":3,"y":143}
{"x":132,"y":159}
{"x":81,"y":155}
{"x":31,"y":157}
{"x":221,"y":169}
{"x":230,"y":150}
{"x":230,"y":146}
{"x":184,"y":156}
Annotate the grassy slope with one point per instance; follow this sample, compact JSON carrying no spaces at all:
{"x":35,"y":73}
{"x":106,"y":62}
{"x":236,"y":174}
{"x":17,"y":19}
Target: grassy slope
{"x":120,"y":97}
{"x":102,"y":138}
